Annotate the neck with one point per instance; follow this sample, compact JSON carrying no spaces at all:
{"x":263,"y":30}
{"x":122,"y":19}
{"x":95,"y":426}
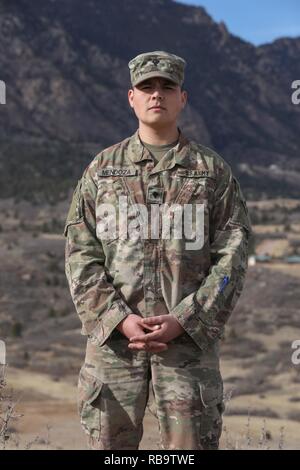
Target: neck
{"x":158,"y":136}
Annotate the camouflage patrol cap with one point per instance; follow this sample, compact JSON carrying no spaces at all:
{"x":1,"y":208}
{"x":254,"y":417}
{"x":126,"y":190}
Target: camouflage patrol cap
{"x":156,"y":64}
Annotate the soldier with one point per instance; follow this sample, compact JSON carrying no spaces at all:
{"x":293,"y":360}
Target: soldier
{"x":154,"y":306}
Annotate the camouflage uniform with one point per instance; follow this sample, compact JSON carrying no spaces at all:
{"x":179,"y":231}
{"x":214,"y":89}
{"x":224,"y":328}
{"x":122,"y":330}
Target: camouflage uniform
{"x":110,"y":278}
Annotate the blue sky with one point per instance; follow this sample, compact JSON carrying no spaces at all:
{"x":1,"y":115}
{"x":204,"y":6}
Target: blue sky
{"x":257,"y":21}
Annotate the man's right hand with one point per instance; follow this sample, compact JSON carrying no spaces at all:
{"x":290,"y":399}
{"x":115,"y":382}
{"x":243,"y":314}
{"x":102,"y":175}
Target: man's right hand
{"x":133,"y":325}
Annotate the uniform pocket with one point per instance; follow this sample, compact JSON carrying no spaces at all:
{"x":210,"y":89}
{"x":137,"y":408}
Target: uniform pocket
{"x":210,"y":429}
{"x":68,"y":224}
{"x":240,"y":214}
{"x":89,"y":398}
{"x":75,"y":213}
{"x":212,"y":394}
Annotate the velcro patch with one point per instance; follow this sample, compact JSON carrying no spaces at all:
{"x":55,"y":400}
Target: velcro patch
{"x":111,"y":171}
{"x":194,"y":173}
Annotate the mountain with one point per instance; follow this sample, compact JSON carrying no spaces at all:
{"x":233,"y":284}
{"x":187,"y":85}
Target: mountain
{"x":64,"y":63}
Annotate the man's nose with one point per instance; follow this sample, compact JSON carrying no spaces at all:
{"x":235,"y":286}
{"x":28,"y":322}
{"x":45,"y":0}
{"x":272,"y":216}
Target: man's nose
{"x":157,"y":93}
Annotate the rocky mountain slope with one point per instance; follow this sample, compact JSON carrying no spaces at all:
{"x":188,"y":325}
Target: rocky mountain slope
{"x":65,"y":68}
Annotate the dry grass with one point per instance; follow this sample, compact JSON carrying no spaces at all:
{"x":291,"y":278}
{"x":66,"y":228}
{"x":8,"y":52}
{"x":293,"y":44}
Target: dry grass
{"x":279,"y":203}
{"x":289,"y":269}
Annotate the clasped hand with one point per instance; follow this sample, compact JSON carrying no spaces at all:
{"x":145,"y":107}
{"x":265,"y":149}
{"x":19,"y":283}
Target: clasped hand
{"x":151,"y":334}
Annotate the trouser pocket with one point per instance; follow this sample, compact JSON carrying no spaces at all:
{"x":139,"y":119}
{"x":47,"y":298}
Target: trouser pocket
{"x":211,"y":396}
{"x":89,"y":402}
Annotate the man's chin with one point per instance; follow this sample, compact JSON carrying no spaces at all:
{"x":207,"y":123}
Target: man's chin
{"x":157,"y":123}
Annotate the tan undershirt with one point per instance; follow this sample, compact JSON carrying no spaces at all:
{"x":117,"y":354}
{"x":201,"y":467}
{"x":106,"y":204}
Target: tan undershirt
{"x":158,"y":151}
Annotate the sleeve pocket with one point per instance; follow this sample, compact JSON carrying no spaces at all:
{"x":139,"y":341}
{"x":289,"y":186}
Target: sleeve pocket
{"x":89,"y":402}
{"x":68,"y":223}
{"x":75,"y":210}
{"x":240,"y":215}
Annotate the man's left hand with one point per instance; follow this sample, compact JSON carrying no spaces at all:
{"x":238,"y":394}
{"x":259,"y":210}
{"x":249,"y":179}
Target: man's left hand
{"x":168,"y":329}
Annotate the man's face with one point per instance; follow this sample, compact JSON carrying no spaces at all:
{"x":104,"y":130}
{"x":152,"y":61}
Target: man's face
{"x":157,"y":102}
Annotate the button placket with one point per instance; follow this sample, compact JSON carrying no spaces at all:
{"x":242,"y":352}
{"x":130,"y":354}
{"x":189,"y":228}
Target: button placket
{"x":148,"y":273}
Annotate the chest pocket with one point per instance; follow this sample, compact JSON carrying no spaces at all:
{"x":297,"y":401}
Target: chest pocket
{"x":113,"y":198}
{"x":112,"y":182}
{"x":197,"y":186}
{"x":196,"y":194}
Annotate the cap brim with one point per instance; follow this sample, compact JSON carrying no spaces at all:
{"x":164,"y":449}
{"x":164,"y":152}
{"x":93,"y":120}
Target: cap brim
{"x":153,"y":75}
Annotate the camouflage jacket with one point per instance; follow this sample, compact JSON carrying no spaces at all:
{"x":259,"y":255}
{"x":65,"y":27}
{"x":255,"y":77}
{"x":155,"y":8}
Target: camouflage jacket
{"x":111,"y":276}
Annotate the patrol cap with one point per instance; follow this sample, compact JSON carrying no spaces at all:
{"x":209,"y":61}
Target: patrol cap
{"x":157,"y":64}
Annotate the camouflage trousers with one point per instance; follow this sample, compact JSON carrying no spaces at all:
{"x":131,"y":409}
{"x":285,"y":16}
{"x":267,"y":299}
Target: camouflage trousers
{"x":113,"y":392}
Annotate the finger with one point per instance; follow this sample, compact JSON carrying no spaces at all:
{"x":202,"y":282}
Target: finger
{"x":137,"y":346}
{"x":153,"y":320}
{"x":151,"y":327}
{"x":145,"y":326}
{"x":147,"y":337}
{"x":153,"y":347}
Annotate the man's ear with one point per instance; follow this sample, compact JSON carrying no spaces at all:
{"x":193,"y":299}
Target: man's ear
{"x":130,"y":97}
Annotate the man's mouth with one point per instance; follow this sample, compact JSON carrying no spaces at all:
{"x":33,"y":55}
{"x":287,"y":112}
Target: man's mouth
{"x":157,"y":107}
